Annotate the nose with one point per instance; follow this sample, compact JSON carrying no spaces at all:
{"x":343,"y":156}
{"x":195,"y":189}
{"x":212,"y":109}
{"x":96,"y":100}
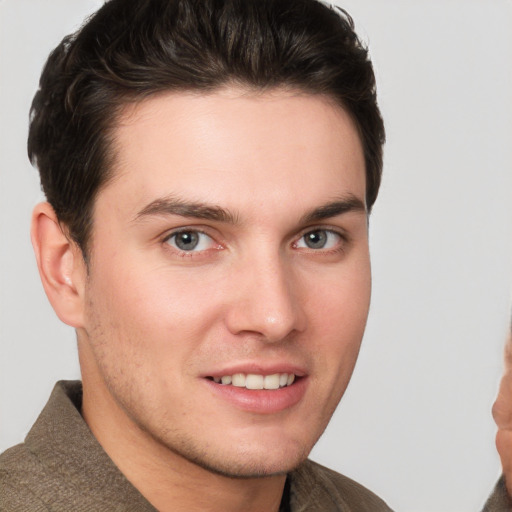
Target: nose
{"x":267,"y":301}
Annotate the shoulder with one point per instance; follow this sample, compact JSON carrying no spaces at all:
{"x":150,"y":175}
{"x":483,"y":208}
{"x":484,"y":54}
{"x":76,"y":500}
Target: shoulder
{"x":499,"y":500}
{"x":20,"y":473}
{"x":315,"y":487}
{"x":62,"y":467}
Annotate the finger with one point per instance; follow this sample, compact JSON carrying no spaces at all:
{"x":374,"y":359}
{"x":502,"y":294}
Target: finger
{"x":502,"y":408}
{"x":504,"y":446}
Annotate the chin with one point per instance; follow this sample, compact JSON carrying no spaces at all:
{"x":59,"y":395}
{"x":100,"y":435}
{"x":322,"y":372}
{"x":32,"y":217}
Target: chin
{"x":253,"y":468}
{"x":259,"y":459}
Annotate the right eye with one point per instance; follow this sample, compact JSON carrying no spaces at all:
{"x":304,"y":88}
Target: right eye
{"x":319,"y":239}
{"x":190,"y":240}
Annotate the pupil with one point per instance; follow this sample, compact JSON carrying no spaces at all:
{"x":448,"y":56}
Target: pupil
{"x":316,"y":239}
{"x":187,"y":240}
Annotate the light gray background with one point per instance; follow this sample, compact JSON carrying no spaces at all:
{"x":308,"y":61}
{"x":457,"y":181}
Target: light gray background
{"x":415,"y":425}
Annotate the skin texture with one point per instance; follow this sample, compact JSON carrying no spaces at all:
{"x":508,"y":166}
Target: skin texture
{"x":502,"y":412}
{"x":153,"y":321}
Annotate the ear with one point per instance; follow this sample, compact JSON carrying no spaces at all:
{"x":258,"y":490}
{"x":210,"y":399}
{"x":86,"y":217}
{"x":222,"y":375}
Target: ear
{"x":61,"y":265}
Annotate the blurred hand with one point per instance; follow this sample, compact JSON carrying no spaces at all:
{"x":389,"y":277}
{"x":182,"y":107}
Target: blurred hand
{"x":502,"y":413}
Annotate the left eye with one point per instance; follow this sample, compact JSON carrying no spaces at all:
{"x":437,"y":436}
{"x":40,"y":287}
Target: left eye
{"x":319,"y":239}
{"x":190,"y":240}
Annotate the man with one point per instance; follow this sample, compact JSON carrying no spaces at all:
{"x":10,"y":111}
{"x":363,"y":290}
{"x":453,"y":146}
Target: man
{"x":209,"y":169}
{"x":207,"y":238}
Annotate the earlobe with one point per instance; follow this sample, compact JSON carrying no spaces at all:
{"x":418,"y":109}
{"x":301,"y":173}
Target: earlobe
{"x":60,"y":265}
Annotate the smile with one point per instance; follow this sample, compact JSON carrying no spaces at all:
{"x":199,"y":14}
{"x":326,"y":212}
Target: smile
{"x":255,"y":381}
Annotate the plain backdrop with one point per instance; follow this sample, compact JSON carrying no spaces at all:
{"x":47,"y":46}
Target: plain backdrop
{"x":415,"y":424}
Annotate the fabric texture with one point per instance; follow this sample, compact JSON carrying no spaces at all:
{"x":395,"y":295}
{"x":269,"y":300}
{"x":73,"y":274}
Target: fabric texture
{"x":499,"y":500}
{"x":61,"y":467}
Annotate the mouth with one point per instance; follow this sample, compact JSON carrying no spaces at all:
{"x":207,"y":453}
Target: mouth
{"x":256,"y":381}
{"x":264,"y":393}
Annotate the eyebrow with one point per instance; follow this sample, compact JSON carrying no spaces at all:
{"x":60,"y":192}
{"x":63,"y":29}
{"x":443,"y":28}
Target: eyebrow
{"x":174,"y":206}
{"x":349,"y":203}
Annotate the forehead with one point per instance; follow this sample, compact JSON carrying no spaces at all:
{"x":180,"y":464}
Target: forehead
{"x":237,"y":146}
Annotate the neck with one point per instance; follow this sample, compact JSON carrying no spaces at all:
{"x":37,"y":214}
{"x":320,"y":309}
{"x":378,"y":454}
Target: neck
{"x":165,"y":478}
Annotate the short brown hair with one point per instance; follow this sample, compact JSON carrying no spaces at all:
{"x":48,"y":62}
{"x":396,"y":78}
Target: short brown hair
{"x":131,"y":49}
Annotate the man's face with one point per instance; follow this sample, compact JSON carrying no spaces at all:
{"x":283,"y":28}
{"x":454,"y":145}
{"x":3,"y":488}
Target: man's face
{"x":232,"y":243}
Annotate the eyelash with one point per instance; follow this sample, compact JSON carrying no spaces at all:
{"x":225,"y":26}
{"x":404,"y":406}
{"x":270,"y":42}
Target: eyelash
{"x":340,"y":246}
{"x":192,"y":253}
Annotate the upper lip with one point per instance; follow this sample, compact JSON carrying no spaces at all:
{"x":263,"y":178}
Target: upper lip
{"x":258,"y":369}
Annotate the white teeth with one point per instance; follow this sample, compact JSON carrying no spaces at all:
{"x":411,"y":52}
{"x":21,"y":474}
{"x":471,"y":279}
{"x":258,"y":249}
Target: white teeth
{"x":238,"y":380}
{"x":255,"y":381}
{"x":271,"y":381}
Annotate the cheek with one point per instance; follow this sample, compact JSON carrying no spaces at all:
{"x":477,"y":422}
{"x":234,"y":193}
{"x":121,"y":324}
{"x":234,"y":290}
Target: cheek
{"x":338,"y":315}
{"x":153,"y":310}
{"x":340,"y":300}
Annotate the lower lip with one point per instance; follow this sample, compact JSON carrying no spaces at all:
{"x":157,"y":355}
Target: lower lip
{"x":261,"y":401}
